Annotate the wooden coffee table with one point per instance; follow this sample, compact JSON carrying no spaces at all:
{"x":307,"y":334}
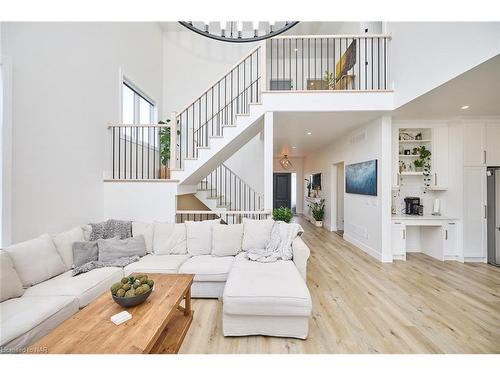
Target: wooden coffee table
{"x":158,"y":325}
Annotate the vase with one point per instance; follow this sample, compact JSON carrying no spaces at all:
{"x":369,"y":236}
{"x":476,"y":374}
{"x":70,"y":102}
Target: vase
{"x":164,"y":172}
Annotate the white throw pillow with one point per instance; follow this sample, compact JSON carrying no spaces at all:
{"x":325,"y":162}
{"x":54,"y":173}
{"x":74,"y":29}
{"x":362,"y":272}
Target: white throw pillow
{"x":36,"y":260}
{"x":226,"y":239}
{"x":199,"y":236}
{"x":10,"y":284}
{"x":169,"y":238}
{"x":146,"y":229}
{"x":256,"y":233}
{"x":64,"y":244}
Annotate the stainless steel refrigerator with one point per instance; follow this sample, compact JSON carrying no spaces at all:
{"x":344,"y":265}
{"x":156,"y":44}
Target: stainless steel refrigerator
{"x":493,"y":187}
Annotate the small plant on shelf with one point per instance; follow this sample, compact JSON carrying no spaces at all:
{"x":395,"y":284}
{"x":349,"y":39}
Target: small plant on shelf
{"x":423,"y":164}
{"x":282,"y":214}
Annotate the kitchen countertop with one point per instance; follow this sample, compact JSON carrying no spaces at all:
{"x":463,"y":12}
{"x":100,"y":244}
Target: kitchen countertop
{"x":424,"y":217}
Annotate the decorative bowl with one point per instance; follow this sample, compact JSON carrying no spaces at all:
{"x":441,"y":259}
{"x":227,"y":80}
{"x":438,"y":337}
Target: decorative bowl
{"x":132,"y":301}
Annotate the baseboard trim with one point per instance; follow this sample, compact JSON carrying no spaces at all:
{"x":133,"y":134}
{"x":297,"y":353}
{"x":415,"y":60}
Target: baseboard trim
{"x":367,"y":249}
{"x":475,"y":260}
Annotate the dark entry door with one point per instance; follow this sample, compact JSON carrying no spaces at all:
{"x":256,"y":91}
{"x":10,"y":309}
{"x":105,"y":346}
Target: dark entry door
{"x":282,"y":190}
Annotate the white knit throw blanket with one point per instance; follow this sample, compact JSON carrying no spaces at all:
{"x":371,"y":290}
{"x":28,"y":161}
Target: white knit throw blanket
{"x":280,"y":244}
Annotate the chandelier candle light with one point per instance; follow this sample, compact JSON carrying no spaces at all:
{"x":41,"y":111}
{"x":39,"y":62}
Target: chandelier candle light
{"x":235,"y":31}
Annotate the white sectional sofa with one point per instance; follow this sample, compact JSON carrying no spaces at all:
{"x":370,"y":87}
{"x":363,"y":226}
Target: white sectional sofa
{"x":38,"y":291}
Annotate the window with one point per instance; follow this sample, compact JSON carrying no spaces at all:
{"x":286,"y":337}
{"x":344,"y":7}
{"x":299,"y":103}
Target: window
{"x":136,"y":109}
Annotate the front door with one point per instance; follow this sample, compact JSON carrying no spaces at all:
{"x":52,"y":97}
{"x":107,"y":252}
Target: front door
{"x":282,"y":190}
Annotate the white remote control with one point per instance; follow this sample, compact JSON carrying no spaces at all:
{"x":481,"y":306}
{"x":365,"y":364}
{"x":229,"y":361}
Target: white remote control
{"x":121,"y":317}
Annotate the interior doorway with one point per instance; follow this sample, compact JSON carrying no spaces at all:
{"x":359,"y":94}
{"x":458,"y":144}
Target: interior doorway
{"x":338,"y":188}
{"x":282,"y":190}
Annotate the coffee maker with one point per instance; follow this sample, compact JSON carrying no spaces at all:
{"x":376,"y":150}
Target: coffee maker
{"x":412,"y":206}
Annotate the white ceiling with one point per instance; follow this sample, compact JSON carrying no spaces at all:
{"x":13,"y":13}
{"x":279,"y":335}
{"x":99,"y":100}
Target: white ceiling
{"x":479,"y":88}
{"x":291,"y":128}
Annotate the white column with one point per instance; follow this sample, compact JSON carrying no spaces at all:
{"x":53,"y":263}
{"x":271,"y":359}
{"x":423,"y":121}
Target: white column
{"x":386,"y":182}
{"x":268,"y":161}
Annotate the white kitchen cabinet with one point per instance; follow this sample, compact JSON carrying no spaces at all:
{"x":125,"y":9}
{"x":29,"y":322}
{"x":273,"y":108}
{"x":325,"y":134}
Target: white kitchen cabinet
{"x":450,"y":241}
{"x":474,"y":145}
{"x":492,"y":144}
{"x":398,"y":240}
{"x":439,"y":158}
{"x":474,"y":223}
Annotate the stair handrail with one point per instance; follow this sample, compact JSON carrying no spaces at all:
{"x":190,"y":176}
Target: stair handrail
{"x":235,"y":66}
{"x":242,"y":180}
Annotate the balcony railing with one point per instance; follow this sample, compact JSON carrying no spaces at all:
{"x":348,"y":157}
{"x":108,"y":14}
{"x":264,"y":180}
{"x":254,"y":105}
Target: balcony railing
{"x":227,"y":217}
{"x":317,"y":62}
{"x":141,"y":152}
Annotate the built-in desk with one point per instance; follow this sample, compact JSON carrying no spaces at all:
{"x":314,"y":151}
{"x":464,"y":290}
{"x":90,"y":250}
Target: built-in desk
{"x":436,"y":236}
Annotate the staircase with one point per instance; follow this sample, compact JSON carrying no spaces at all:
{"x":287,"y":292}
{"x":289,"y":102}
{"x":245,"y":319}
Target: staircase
{"x":223,"y":190}
{"x":220,"y":120}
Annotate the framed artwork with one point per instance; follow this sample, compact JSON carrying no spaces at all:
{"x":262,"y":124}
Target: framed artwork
{"x":361,"y":178}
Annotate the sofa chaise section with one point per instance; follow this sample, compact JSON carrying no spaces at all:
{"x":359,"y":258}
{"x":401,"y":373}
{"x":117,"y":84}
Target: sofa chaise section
{"x":26,"y":319}
{"x":269,"y":299}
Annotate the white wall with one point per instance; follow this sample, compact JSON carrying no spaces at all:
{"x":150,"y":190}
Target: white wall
{"x":140,"y":201}
{"x":424,"y":55}
{"x":366,"y":218}
{"x":247,"y":163}
{"x":297,"y":167}
{"x":193,"y":63}
{"x":66,"y":88}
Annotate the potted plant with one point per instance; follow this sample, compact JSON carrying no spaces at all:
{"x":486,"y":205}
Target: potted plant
{"x":318,"y":212}
{"x":422,"y":164}
{"x":165,"y":143}
{"x":329,"y":80}
{"x":282,"y":214}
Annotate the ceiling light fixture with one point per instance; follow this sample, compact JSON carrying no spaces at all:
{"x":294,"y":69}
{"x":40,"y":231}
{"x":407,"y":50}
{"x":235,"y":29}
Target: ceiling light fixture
{"x":238,"y":31}
{"x":285,"y":162}
{"x":464,"y":107}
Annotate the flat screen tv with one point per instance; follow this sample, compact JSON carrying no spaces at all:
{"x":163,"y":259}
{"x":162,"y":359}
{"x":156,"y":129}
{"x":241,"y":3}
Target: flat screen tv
{"x":316,"y":181}
{"x":361,"y":178}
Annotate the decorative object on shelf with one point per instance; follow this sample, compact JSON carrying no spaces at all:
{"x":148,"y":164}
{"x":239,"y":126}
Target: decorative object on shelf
{"x":285,"y":162}
{"x":282,"y":214}
{"x":402,"y":166}
{"x":318,"y":212}
{"x":235,"y":31}
{"x":407,"y":152}
{"x":403,"y":136}
{"x":418,"y":137}
{"x":361,"y":178}
{"x":414,"y":151}
{"x":308,"y":186}
{"x":132,"y":291}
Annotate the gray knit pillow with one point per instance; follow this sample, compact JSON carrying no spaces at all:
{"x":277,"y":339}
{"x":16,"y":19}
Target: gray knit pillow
{"x":114,"y":248}
{"x":110,"y":229}
{"x":84,"y":252}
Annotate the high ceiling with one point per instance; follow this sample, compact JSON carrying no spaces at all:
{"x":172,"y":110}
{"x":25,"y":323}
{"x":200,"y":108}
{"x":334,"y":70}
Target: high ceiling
{"x":291,"y":129}
{"x":478,"y":88}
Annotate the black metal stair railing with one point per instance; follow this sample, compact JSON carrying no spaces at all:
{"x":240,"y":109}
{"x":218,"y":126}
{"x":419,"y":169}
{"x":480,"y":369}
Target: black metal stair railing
{"x":218,"y":106}
{"x":230,"y":191}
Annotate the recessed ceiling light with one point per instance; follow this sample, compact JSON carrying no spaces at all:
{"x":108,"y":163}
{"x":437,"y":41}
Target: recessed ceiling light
{"x":464,"y":107}
{"x":294,"y":147}
{"x":309,"y":133}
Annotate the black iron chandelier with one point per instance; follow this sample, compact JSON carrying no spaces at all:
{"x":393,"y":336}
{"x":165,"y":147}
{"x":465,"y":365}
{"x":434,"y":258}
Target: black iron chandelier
{"x":238,"y":31}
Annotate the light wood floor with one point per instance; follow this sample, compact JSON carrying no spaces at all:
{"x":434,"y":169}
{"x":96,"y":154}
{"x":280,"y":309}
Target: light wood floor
{"x":363,"y":306}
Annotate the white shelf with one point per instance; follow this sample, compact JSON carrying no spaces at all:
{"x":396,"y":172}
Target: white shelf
{"x":412,"y":173}
{"x":415,"y":141}
{"x":409,"y":156}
